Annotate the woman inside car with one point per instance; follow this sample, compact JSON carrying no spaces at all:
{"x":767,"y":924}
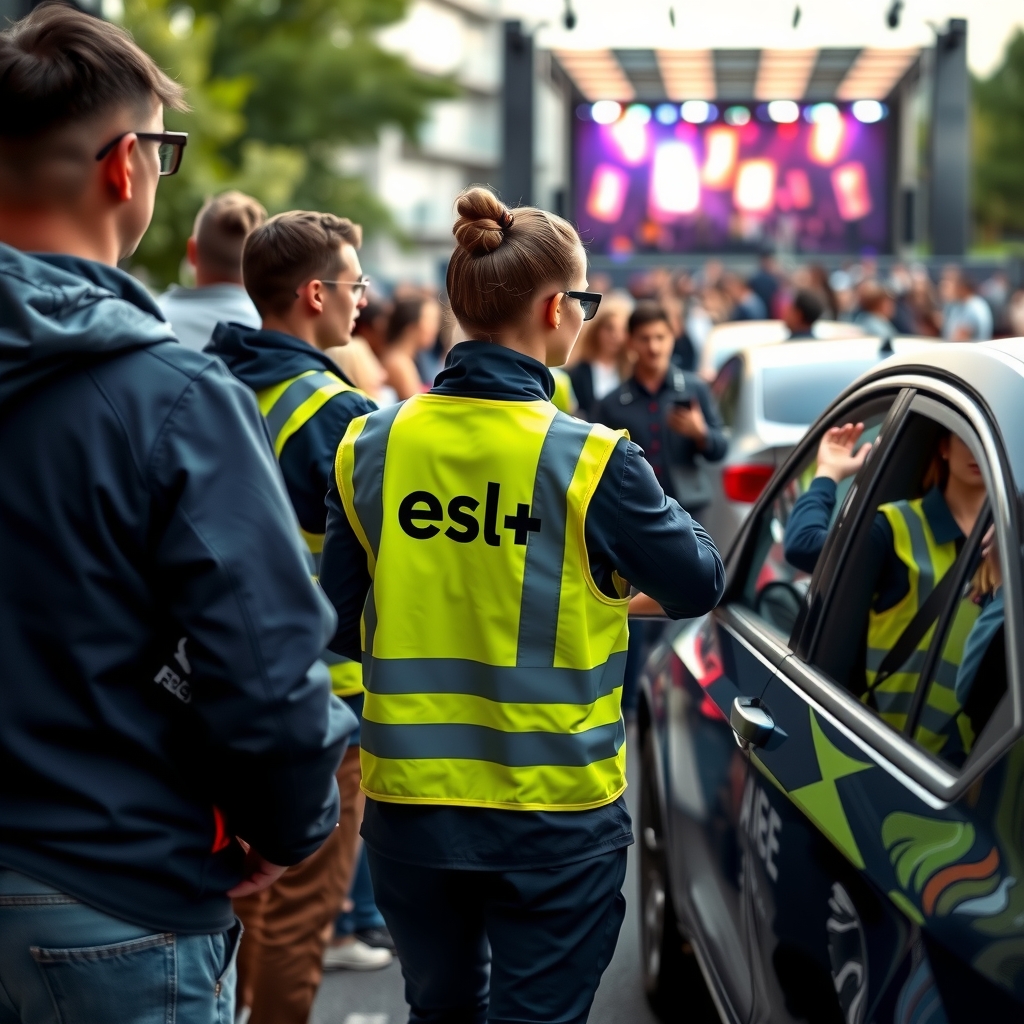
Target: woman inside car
{"x":913,"y":543}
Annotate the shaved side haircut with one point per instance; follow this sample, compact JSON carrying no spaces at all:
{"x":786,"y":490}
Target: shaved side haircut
{"x":221,"y":228}
{"x":61,"y":73}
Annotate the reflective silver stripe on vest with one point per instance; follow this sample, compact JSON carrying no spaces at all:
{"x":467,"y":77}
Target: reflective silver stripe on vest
{"x":292,"y":397}
{"x":369,"y":453}
{"x":542,"y":574}
{"x":915,"y":663}
{"x":505,"y":684}
{"x":893,"y":703}
{"x":938,"y":722}
{"x":919,"y":549}
{"x":480,"y":743}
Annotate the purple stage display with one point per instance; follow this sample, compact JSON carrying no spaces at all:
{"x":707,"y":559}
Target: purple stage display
{"x":806,"y":178}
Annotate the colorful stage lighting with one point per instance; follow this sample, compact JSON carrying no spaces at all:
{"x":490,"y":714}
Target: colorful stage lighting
{"x":606,"y":111}
{"x":631,"y":136}
{"x":722,"y":146}
{"x":799,"y":187}
{"x":639,"y":112}
{"x":821,"y":112}
{"x":607,"y":194}
{"x":698,"y":111}
{"x":783,"y":111}
{"x":675,"y":181}
{"x":850,"y":185}
{"x":666,"y":113}
{"x":755,"y":186}
{"x":869,"y":111}
{"x":826,"y":140}
{"x":737,"y":116}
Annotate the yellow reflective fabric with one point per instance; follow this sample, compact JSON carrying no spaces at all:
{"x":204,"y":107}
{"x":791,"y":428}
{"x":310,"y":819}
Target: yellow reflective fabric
{"x":287,"y":407}
{"x":564,"y":398}
{"x":925,"y":559}
{"x":493,"y":661}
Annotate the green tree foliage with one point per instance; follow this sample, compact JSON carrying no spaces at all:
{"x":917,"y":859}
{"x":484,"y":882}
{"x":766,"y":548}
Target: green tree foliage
{"x":276,"y":87}
{"x":999,"y":146}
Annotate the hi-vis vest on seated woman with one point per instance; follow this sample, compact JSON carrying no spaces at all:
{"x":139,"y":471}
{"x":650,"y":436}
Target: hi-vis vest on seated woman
{"x":287,"y":407}
{"x":940,"y":728}
{"x":493,"y":664}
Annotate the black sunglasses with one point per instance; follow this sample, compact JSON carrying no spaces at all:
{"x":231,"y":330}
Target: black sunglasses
{"x":169,"y":148}
{"x":589,"y":301}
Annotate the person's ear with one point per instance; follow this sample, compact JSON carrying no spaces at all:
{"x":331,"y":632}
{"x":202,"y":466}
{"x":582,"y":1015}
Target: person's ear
{"x":311,"y":295}
{"x":119,"y":169}
{"x":552,"y":316}
{"x":192,"y":251}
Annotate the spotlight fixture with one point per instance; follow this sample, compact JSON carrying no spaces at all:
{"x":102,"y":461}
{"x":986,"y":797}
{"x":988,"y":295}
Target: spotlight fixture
{"x":796,"y":15}
{"x":672,"y":16}
{"x":892,"y":19}
{"x":569,"y":17}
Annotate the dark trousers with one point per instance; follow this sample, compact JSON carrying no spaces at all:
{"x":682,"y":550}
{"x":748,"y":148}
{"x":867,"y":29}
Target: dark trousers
{"x":502,"y":946}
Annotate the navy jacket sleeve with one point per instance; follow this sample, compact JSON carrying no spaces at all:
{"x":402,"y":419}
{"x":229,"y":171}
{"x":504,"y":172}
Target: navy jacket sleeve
{"x":634,"y":528}
{"x":228,"y":562}
{"x":344,"y":575}
{"x":808,"y":524}
{"x":307,"y":460}
{"x":717,"y":444}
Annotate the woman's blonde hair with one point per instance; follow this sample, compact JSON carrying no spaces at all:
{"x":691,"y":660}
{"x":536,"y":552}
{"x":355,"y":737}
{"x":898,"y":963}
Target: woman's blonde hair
{"x":585,"y":349}
{"x":502,"y":257}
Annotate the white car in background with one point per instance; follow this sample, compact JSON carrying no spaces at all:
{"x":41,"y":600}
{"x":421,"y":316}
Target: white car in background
{"x":769,"y":395}
{"x":725,"y":340}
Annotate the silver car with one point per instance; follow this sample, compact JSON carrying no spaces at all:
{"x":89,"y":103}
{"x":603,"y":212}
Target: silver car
{"x":769,"y":395}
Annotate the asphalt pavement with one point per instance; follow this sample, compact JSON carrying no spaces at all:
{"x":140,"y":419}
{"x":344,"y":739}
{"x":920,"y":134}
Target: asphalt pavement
{"x":375,"y":997}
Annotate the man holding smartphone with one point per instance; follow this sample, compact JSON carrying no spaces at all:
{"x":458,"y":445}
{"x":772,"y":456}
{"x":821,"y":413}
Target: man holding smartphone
{"x":669,"y":412}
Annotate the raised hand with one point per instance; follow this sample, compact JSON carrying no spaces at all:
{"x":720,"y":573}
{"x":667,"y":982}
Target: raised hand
{"x":836,"y":456}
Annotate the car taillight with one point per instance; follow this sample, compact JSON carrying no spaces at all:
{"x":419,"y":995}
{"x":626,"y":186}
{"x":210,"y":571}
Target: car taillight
{"x":745,"y":483}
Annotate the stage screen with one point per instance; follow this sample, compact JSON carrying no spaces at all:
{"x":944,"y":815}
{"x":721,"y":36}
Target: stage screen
{"x":804,"y":178}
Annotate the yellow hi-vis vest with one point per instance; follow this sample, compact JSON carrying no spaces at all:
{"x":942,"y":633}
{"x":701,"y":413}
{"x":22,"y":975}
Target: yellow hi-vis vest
{"x":287,"y":407}
{"x":927,"y":563}
{"x":493,"y":663}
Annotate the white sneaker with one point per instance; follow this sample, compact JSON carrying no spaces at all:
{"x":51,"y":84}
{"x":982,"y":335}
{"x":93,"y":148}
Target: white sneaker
{"x":355,"y":956}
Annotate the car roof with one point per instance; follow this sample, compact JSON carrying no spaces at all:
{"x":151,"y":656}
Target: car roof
{"x":724,"y":340}
{"x":802,"y":352}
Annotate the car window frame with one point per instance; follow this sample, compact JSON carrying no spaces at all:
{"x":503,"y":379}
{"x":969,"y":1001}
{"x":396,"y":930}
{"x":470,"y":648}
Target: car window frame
{"x":933,"y":779}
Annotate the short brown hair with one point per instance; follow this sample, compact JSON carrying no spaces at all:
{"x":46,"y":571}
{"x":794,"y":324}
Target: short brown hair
{"x":289,"y":250}
{"x":647,"y":311}
{"x":502,"y":257}
{"x":59,"y":65}
{"x":221,"y":228}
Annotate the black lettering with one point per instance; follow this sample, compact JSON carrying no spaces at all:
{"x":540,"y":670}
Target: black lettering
{"x":522,"y":524}
{"x":409,"y":515}
{"x":491,"y":515}
{"x":456,"y":514}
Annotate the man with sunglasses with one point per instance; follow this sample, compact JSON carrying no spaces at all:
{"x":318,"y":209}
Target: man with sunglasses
{"x":302,"y":272}
{"x":161,"y":691}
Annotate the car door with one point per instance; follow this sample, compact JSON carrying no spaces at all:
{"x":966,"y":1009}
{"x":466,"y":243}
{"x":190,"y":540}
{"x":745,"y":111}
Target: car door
{"x":897,"y":861}
{"x":714,"y":809}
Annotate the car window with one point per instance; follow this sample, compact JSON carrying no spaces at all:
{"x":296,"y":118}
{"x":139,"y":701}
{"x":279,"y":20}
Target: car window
{"x":793,"y":528}
{"x":800,"y":394}
{"x":726,"y":389}
{"x":913,"y":622}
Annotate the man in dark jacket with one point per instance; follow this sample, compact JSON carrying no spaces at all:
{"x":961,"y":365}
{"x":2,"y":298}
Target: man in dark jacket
{"x":669,"y":412}
{"x":161,"y":692}
{"x":302,"y":271}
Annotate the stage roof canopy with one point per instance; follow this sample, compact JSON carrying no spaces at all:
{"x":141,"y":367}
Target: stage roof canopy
{"x":868,"y":73}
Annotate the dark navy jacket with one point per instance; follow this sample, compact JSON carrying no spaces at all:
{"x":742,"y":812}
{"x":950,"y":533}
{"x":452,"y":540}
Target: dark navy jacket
{"x":262,"y":359}
{"x":631,"y":527}
{"x":158,"y":629}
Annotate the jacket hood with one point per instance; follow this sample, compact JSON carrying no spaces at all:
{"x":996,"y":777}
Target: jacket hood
{"x":262,"y":359}
{"x":56,"y":310}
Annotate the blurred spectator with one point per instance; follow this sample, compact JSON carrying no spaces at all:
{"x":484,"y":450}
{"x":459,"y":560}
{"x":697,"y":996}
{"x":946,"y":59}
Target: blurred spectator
{"x":995,"y":290}
{"x":877,"y":307}
{"x":412,"y":328}
{"x":746,"y":303}
{"x":803,"y":311}
{"x":965,"y":314}
{"x":766,"y":281}
{"x":1015,"y":314}
{"x":921,"y":304}
{"x":215,"y":251}
{"x":670,"y":413}
{"x":813,"y":277}
{"x":359,"y":363}
{"x":603,"y":357}
{"x":843,"y":294}
{"x":372,"y":325}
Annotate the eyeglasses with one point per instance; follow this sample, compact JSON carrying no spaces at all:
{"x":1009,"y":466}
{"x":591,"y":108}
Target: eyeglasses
{"x":169,"y":148}
{"x":358,"y":287}
{"x":589,"y":301}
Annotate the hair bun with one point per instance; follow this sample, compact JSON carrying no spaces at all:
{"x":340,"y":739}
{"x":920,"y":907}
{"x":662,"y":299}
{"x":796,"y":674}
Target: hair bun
{"x":483,"y":221}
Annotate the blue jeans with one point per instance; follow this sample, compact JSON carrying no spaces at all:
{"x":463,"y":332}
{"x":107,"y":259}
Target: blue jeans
{"x":62,"y":962}
{"x":364,"y":915}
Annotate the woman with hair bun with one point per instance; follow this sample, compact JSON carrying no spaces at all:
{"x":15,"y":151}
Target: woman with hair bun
{"x":485,"y":541}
